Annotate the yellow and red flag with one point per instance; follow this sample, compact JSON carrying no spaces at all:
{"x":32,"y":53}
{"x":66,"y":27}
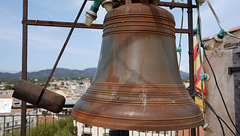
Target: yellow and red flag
{"x":197,"y":72}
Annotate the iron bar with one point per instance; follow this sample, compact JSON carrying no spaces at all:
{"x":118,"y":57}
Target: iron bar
{"x":118,"y":133}
{"x":60,"y":126}
{"x":53,"y":125}
{"x":4,"y":126}
{"x":12,"y":125}
{"x":176,"y":5}
{"x":32,"y":106}
{"x":62,"y":50}
{"x":45,"y":125}
{"x":78,"y":25}
{"x":68,"y":125}
{"x":191,"y":54}
{"x":90,"y":129}
{"x":37,"y":125}
{"x":24,"y":63}
{"x":62,"y":24}
{"x":83,"y":128}
{"x":198,"y":131}
{"x":29,"y":123}
{"x":97,"y":131}
{"x":190,"y":48}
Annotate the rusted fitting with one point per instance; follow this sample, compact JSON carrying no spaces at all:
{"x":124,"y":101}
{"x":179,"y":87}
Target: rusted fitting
{"x":107,"y":4}
{"x":200,"y":2}
{"x":31,"y":93}
{"x":216,"y":43}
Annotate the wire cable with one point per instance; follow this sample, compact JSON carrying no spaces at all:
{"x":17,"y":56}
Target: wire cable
{"x":214,"y":112}
{"x":218,"y":88}
{"x":218,"y":21}
{"x":199,"y":44}
{"x":179,"y":49}
{"x":210,"y":107}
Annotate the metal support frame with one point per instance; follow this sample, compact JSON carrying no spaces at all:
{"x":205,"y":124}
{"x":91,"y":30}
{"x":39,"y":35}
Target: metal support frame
{"x":24,"y":63}
{"x":78,"y":25}
{"x":27,"y":22}
{"x":118,"y":133}
{"x":191,"y":54}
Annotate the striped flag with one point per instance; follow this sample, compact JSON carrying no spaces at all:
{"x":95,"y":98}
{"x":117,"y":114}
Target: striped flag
{"x":197,"y":71}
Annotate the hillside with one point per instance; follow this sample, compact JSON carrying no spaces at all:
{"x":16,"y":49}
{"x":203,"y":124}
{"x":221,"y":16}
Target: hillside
{"x":59,"y":72}
{"x":63,"y":72}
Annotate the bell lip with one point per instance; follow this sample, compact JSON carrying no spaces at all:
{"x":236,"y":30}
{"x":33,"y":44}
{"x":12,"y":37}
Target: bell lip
{"x":76,"y":115}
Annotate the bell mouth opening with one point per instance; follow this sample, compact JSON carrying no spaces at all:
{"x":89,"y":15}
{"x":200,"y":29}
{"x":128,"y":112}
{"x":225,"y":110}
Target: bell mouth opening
{"x":154,"y":107}
{"x":137,"y":124}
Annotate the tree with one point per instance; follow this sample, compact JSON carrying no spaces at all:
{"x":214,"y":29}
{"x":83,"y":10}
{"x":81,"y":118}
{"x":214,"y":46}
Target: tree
{"x":8,"y":87}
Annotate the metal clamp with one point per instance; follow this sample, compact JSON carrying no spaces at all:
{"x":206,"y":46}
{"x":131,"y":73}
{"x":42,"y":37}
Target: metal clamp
{"x":233,"y":70}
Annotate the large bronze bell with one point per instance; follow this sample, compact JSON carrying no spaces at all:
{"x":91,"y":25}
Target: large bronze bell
{"x":137,"y":85}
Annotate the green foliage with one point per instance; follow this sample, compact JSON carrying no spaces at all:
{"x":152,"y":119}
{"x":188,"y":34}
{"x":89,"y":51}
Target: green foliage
{"x":10,"y":80}
{"x":41,"y":80}
{"x":61,"y":126}
{"x":185,"y":79}
{"x":8,"y":87}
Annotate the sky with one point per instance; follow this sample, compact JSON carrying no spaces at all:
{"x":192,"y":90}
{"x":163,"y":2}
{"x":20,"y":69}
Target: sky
{"x":44,"y":43}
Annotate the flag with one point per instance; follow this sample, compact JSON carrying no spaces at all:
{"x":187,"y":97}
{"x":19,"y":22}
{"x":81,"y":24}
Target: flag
{"x":197,"y":71}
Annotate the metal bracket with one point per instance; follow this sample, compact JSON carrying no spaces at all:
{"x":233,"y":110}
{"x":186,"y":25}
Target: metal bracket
{"x":233,"y":70}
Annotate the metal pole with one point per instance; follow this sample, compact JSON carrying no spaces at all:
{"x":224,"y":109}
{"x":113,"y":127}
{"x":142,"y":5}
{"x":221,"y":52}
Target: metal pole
{"x":61,"y":52}
{"x":79,"y":25}
{"x":191,"y":61}
{"x":118,"y":133}
{"x":24,"y":63}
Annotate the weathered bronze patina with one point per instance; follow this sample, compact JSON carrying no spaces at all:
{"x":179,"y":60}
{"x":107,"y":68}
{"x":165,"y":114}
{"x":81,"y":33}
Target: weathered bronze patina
{"x":137,"y":85}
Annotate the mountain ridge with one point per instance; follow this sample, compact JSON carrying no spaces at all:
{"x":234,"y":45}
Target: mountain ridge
{"x":60,"y":72}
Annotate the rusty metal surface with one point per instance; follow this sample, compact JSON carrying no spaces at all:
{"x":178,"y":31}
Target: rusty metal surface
{"x":30,"y":93}
{"x":62,"y":24}
{"x":78,"y":25}
{"x":175,"y":5}
{"x":191,"y":54}
{"x":137,"y":85}
{"x":24,"y":63}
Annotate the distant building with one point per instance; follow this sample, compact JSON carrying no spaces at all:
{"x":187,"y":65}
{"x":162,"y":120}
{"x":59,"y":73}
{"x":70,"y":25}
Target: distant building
{"x":6,"y":92}
{"x":12,"y":121}
{"x":1,"y":86}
